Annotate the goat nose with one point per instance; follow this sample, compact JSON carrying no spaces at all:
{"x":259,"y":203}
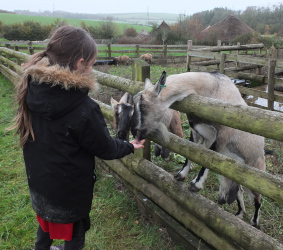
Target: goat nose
{"x":134,"y":132}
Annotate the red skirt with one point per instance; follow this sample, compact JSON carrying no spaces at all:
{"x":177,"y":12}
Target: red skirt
{"x":57,"y":231}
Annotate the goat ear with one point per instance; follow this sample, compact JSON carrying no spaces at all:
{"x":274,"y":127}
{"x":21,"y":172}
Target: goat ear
{"x":160,"y":83}
{"x":124,"y":98}
{"x":113,"y":102}
{"x":148,"y":84}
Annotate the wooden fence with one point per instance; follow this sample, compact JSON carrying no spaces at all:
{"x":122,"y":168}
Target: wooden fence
{"x":164,"y":53}
{"x":171,"y":53}
{"x":203,"y":217}
{"x":218,"y":57}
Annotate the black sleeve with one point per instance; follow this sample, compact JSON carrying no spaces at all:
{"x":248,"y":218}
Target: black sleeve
{"x":95,"y":138}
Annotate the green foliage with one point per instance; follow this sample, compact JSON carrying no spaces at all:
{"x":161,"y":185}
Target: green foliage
{"x":108,"y":29}
{"x":169,"y":37}
{"x":268,"y":41}
{"x":58,"y":23}
{"x":210,"y":17}
{"x":130,"y":32}
{"x":1,"y":27}
{"x":258,"y":17}
{"x":247,"y":38}
{"x":28,"y":30}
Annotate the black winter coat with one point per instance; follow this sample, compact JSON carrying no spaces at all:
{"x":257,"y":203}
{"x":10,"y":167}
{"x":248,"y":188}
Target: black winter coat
{"x":69,"y":131}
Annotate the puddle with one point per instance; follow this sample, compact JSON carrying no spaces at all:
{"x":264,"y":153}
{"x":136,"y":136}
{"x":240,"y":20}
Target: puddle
{"x":263,"y":102}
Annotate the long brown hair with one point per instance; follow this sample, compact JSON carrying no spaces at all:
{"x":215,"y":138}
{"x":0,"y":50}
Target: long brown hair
{"x":65,"y":47}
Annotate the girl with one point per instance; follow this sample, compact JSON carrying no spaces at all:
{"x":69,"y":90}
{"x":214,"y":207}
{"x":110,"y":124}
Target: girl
{"x":61,"y":130}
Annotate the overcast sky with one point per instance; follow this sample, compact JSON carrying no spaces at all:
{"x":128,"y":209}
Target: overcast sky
{"x":132,"y":6}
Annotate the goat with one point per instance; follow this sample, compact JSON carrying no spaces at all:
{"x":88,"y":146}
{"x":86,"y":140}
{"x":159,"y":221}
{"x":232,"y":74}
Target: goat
{"x":172,"y":121}
{"x":147,"y":58}
{"x":151,"y":103}
{"x":124,"y":60}
{"x":123,"y":111}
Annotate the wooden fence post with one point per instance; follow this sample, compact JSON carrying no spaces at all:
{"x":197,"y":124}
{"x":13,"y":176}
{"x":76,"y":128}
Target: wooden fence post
{"x":236,"y":63}
{"x":16,"y":48}
{"x":271,"y":74}
{"x":31,"y":50}
{"x":190,"y":46}
{"x":222,"y":63}
{"x":8,"y":57}
{"x":267,"y":55}
{"x":141,"y":71}
{"x":138,"y":50}
{"x":274,"y":53}
{"x":165,"y":51}
{"x":109,"y":51}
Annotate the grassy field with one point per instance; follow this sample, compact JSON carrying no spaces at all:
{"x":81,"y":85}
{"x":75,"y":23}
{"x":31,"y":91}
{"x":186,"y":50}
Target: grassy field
{"x":116,"y":221}
{"x":12,"y":18}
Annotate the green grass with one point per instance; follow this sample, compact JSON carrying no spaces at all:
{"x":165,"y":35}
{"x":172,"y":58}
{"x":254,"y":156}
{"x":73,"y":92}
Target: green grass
{"x":115,"y":220}
{"x":8,"y":19}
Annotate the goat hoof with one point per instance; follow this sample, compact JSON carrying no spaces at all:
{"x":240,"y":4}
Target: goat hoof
{"x":254,"y":224}
{"x":193,"y":187}
{"x":239,"y":215}
{"x":179,"y":177}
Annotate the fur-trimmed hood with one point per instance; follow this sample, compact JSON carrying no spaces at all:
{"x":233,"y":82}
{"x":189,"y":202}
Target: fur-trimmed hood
{"x":53,"y":90}
{"x":42,"y":72}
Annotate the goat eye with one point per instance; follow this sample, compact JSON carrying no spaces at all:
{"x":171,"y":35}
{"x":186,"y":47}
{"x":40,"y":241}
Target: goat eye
{"x":142,"y":106}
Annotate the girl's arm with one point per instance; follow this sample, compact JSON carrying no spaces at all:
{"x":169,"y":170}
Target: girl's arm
{"x":95,"y":138}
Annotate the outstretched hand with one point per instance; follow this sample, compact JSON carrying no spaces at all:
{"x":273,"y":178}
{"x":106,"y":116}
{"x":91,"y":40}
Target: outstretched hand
{"x":138,"y":144}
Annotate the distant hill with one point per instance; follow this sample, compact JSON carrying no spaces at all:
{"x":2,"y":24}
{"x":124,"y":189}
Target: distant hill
{"x":9,"y":19}
{"x":143,"y":18}
{"x":132,"y":18}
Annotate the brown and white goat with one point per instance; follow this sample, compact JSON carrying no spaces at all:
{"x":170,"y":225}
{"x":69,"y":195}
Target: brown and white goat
{"x":151,"y":103}
{"x":123,"y":111}
{"x":147,"y":58}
